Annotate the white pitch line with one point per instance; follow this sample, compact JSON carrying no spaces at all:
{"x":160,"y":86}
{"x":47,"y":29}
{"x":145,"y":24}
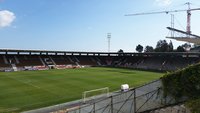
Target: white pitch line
{"x":30,"y":84}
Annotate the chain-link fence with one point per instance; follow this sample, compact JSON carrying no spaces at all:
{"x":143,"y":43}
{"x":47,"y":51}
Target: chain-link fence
{"x":141,"y":99}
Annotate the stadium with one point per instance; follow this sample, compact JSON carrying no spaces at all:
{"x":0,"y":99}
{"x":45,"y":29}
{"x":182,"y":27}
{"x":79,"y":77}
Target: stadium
{"x":47,"y":78}
{"x":85,"y":78}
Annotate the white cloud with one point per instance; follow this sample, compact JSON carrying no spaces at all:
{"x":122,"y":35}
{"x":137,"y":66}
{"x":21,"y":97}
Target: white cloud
{"x":6,"y":18}
{"x":163,"y":2}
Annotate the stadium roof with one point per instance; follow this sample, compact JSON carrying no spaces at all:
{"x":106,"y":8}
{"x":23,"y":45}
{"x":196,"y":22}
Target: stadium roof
{"x":187,"y":39}
{"x":184,"y":36}
{"x":47,"y":52}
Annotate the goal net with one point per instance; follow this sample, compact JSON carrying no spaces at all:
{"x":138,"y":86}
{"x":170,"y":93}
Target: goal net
{"x":96,"y":93}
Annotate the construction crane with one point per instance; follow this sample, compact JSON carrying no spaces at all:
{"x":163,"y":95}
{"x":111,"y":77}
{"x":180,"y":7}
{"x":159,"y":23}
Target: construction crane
{"x":188,"y":28}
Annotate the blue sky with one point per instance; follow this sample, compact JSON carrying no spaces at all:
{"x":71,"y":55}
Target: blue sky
{"x":82,"y":25}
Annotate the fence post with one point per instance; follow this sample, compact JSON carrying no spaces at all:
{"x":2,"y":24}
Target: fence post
{"x":111,"y":104}
{"x":79,"y":109}
{"x":134,"y":100}
{"x":94,"y":108}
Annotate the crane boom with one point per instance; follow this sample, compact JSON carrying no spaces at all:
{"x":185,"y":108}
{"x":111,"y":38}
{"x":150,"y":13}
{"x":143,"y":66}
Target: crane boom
{"x":173,"y":11}
{"x":188,"y":27}
{"x":194,"y":9}
{"x":166,"y":12}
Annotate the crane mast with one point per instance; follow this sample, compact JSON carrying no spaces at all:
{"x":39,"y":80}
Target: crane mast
{"x":188,"y":19}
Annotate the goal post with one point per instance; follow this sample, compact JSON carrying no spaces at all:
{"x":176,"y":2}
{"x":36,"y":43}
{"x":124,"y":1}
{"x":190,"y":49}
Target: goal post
{"x":92,"y":94}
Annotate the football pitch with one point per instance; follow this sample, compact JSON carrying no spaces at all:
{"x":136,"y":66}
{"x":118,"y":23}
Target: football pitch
{"x":26,"y":90}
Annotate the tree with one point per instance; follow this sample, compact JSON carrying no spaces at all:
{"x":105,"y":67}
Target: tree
{"x":170,"y":46}
{"x":139,"y":48}
{"x":120,"y":51}
{"x":180,"y":49}
{"x":163,"y":46}
{"x":148,"y":49}
{"x":195,"y":48}
{"x":186,"y":46}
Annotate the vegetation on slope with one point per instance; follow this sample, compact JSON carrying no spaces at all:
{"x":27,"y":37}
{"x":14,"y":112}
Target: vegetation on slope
{"x":184,"y":83}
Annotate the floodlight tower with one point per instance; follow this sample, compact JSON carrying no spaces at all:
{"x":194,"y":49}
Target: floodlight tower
{"x":108,"y":37}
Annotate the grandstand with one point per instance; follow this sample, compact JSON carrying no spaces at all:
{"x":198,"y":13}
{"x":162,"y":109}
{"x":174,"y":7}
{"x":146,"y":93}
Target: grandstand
{"x":13,"y":60}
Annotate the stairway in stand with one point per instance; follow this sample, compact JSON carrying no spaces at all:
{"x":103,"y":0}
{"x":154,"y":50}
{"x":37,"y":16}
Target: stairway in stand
{"x":14,"y":67}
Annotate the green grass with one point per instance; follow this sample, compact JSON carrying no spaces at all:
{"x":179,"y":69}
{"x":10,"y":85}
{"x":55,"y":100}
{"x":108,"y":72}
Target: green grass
{"x":27,"y":90}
